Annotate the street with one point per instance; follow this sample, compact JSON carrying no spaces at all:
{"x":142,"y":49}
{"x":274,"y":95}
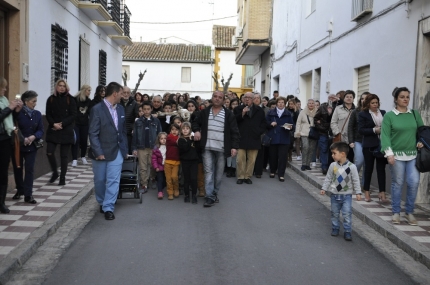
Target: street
{"x":265,"y":233}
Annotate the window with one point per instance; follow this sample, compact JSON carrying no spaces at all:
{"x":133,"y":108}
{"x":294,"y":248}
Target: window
{"x":363,"y":80}
{"x":360,"y":8}
{"x":310,"y":6}
{"x":84,"y":62}
{"x":186,"y":75}
{"x":59,"y":54}
{"x":102,"y":67}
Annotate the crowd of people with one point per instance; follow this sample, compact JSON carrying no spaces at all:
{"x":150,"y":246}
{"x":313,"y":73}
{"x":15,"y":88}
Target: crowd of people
{"x":241,"y":136}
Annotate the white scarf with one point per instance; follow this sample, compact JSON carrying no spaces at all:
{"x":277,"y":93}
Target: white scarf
{"x":279,"y":111}
{"x":8,"y":121}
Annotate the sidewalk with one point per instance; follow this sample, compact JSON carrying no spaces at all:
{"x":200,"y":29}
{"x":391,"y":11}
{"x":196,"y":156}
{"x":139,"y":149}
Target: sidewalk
{"x":414,"y":240}
{"x":27,"y":226}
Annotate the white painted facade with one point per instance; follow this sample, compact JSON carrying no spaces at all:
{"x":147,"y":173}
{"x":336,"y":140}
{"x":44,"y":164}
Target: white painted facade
{"x":228,"y":65}
{"x":388,"y":44}
{"x":44,"y":13}
{"x":164,"y":77}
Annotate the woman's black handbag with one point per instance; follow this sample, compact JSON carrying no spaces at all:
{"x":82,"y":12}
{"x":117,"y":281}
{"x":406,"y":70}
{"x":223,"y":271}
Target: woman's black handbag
{"x":265,"y":140}
{"x":377,"y":151}
{"x":423,"y":160}
{"x":313,"y":132}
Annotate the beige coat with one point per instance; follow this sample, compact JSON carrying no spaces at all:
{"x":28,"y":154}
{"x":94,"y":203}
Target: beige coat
{"x":303,"y":126}
{"x":339,"y":118}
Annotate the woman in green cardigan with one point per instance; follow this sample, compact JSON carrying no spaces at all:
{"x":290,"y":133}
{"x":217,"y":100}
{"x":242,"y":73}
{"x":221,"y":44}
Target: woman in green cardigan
{"x":398,"y":142}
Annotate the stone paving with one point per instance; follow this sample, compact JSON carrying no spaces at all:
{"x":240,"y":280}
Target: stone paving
{"x":420,"y":233}
{"x":25,"y":218}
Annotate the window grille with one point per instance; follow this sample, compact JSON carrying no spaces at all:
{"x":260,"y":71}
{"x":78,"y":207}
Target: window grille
{"x":102,"y":67}
{"x":59,"y":54}
{"x":360,"y":8}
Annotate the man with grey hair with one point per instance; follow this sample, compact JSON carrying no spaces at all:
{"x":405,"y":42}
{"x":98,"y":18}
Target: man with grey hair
{"x":251,"y":122}
{"x":131,"y":113}
{"x":157,"y":104}
{"x":216,"y":129}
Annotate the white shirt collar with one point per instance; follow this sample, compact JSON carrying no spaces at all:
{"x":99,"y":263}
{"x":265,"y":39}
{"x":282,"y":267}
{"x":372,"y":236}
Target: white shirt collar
{"x":397,"y":112}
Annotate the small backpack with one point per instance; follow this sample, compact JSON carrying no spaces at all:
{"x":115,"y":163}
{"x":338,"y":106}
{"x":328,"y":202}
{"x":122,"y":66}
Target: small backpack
{"x":423,"y":154}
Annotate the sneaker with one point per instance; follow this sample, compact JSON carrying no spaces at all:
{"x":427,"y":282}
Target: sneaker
{"x":347,"y":236}
{"x":160,"y":196}
{"x":299,"y":158}
{"x":84,"y":161}
{"x":143,"y":190}
{"x":74,"y":163}
{"x":303,"y":168}
{"x":313,"y":164}
{"x":170,"y":197}
{"x":308,"y":168}
{"x":411,"y":220}
{"x":396,"y":219}
{"x":334,"y":232}
{"x":194,"y":199}
{"x":208,"y":203}
{"x":318,"y":160}
{"x":187,"y":199}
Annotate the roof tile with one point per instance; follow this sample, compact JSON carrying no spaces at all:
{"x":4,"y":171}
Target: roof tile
{"x":221,"y":36}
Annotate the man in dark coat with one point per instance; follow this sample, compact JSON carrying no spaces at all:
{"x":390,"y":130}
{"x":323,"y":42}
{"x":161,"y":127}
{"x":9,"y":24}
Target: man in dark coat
{"x":251,"y":121}
{"x":131,"y":113}
{"x":216,"y":129}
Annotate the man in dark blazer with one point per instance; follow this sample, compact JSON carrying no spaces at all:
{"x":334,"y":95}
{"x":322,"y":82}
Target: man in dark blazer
{"x":251,"y":121}
{"x":108,"y":137}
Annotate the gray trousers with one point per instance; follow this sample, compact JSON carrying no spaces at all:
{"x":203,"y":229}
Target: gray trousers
{"x":308,"y":148}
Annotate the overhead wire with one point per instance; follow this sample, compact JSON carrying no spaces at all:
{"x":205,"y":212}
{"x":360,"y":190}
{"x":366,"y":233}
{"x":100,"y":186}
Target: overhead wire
{"x":189,"y":22}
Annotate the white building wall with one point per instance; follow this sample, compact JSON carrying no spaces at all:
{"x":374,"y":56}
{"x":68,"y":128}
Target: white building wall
{"x":164,"y":77}
{"x":228,"y":65}
{"x":44,"y":13}
{"x":387,"y":44}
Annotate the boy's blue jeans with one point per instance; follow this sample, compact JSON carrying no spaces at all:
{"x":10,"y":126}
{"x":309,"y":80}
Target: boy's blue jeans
{"x":341,"y":203}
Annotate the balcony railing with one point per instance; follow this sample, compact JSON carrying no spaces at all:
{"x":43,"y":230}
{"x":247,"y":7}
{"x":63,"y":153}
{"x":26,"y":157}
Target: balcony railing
{"x":115,"y":11}
{"x":101,"y":2}
{"x":125,"y":20}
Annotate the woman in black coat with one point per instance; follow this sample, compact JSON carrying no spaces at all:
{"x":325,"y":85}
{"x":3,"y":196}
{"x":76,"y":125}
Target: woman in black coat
{"x":369,"y":125}
{"x":61,"y":112}
{"x":322,"y":124}
{"x":30,"y":123}
{"x":83,"y":104}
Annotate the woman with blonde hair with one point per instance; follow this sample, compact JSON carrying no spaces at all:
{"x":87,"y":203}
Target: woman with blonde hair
{"x":83,"y":104}
{"x":61,"y":112}
{"x":304,"y":122}
{"x":6,"y":128}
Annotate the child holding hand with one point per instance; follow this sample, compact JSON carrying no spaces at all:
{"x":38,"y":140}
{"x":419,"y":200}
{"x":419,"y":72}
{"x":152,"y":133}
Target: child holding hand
{"x":342,"y":178}
{"x":189,"y":161}
{"x":158,"y":158}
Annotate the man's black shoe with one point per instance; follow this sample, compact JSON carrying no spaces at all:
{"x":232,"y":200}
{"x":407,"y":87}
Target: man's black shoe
{"x":109,"y":215}
{"x":101,"y":209}
{"x":239,"y":181}
{"x":62,"y":182}
{"x":248,"y":181}
{"x":208,"y":203}
{"x":216,"y":199}
{"x":54,"y":177}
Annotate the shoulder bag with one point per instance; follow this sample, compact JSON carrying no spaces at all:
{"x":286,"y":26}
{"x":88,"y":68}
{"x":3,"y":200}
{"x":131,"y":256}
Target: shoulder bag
{"x":338,"y":137}
{"x":313,"y":132}
{"x":422,"y":161}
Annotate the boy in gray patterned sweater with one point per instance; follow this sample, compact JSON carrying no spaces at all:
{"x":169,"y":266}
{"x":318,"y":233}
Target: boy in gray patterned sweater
{"x":342,"y":178}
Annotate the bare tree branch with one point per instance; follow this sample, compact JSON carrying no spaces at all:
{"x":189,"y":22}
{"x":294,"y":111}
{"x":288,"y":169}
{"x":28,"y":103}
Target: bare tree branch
{"x":141,"y":75}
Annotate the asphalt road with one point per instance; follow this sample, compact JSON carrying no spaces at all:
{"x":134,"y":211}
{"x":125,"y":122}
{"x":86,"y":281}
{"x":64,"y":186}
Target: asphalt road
{"x":266,"y":233}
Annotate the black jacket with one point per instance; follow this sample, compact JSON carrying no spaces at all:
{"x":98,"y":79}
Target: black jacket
{"x":322,"y":120}
{"x":365,"y":127}
{"x":61,"y":108}
{"x":250,"y":128}
{"x":353,"y":134}
{"x":231,"y":132}
{"x":131,"y":114}
{"x":83,"y":112}
{"x":188,"y":149}
{"x":3,"y":114}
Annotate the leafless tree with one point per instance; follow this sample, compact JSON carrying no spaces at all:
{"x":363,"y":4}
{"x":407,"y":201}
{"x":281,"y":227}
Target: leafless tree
{"x":141,"y":75}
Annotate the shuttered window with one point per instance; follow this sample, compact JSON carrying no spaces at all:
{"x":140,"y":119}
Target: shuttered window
{"x":84,"y":62}
{"x":102,"y":67}
{"x":186,"y":75}
{"x":363,"y":80}
{"x":59,"y":54}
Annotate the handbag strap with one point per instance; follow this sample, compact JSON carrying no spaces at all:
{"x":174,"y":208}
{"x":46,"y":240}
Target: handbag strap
{"x":346,"y":120}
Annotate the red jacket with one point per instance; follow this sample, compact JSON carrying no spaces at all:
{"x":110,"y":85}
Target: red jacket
{"x":172,"y":152}
{"x":157,"y":159}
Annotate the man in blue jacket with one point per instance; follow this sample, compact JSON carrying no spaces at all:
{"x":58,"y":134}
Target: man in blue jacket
{"x":108,"y":137}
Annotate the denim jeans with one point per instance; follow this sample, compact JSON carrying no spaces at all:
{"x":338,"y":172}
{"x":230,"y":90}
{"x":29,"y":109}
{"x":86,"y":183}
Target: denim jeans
{"x":106,"y":181}
{"x":341,"y":203}
{"x":161,"y":181}
{"x":324,"y":151}
{"x":401,"y":171}
{"x":359,"y":158}
{"x":213,"y":164}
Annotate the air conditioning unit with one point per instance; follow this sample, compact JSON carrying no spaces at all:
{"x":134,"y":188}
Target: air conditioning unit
{"x":239,"y":32}
{"x":250,"y":81}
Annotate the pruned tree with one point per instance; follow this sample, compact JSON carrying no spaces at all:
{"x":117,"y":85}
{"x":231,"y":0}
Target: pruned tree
{"x":141,"y":75}
{"x":124,"y":77}
{"x":227,"y":84}
{"x":215,"y":78}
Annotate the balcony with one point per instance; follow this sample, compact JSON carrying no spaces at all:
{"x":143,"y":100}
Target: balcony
{"x":360,"y":8}
{"x":95,"y":9}
{"x":125,"y":20}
